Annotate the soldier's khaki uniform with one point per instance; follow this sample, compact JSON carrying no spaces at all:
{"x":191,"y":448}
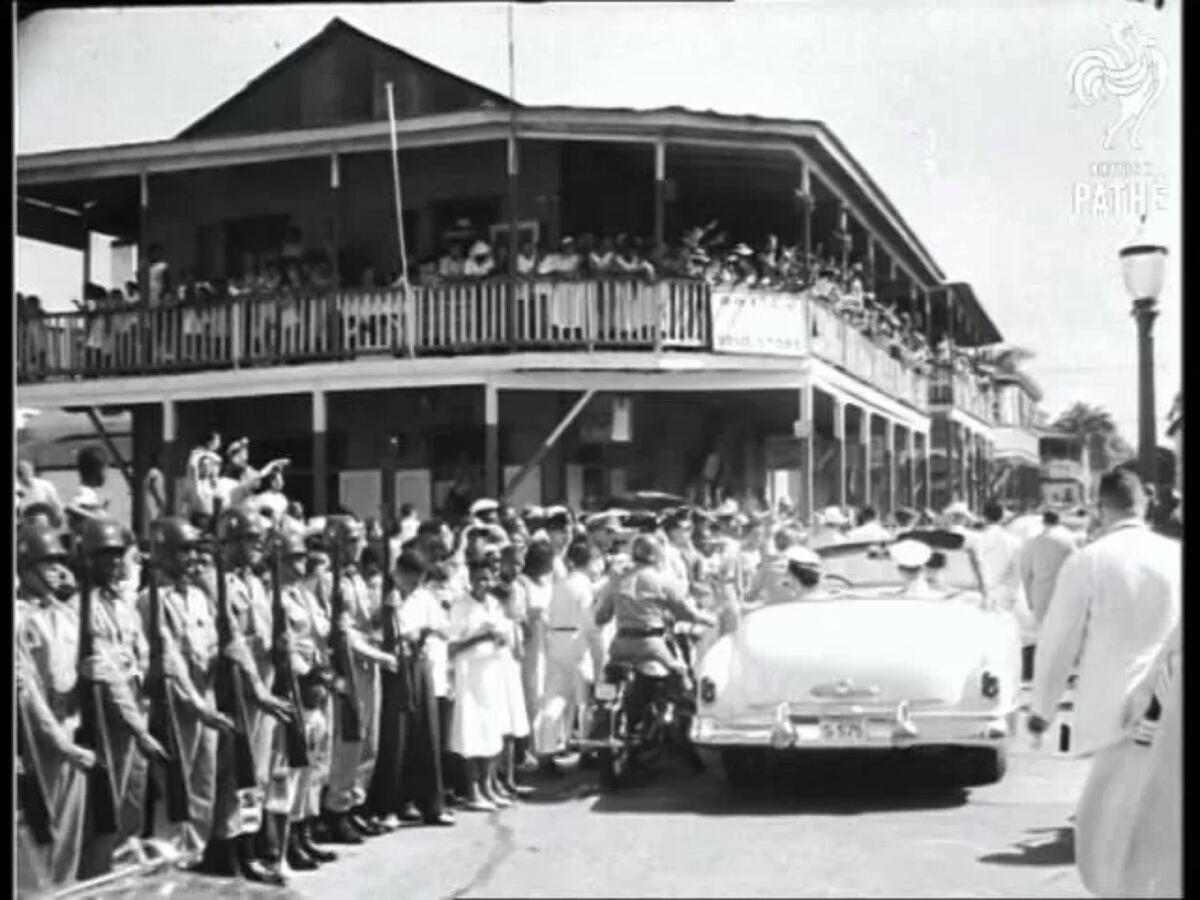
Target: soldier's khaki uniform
{"x":308,"y":624}
{"x":190,"y":630}
{"x":121,"y":659}
{"x":353,"y":762}
{"x":46,"y":655}
{"x":250,"y":619}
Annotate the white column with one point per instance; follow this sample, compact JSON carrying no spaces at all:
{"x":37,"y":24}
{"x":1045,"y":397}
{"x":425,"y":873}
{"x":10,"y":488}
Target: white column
{"x":839,"y":431}
{"x":806,"y":415}
{"x":171,"y":459}
{"x":889,"y":437}
{"x":320,"y":465}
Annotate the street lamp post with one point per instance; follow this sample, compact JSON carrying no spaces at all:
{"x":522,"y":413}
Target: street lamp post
{"x":1142,"y":267}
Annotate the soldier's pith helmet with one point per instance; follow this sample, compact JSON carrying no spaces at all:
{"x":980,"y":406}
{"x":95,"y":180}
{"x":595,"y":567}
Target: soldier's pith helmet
{"x":239,"y":525}
{"x":102,"y":536}
{"x":38,"y":544}
{"x":175,"y":533}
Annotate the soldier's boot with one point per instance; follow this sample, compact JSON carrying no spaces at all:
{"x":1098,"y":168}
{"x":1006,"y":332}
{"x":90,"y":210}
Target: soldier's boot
{"x":304,"y":834}
{"x":253,"y":869}
{"x":220,"y":859}
{"x":298,"y":859}
{"x":341,"y":831}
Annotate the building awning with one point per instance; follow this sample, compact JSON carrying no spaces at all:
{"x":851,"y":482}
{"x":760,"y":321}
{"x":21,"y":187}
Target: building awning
{"x":973,"y":327}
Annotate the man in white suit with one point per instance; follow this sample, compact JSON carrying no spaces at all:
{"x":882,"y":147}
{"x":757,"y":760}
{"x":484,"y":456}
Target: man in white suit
{"x":1116,"y":602}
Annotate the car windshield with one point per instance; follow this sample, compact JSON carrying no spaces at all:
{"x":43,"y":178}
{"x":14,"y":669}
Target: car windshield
{"x":871,"y":565}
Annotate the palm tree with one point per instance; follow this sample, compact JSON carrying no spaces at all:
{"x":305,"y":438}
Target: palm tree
{"x":1096,"y":430}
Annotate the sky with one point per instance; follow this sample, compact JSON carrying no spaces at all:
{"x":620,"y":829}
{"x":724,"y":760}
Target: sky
{"x":962,"y":112}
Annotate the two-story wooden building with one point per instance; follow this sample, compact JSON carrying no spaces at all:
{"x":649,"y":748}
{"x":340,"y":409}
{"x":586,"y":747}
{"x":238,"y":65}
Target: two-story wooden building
{"x":638,"y":383}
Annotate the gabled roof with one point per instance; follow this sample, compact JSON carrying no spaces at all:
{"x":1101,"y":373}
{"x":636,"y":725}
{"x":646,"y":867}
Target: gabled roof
{"x":336,"y":27}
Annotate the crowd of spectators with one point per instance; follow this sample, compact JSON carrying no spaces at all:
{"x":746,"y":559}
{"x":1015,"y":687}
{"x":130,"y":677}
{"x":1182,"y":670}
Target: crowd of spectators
{"x":701,"y":254}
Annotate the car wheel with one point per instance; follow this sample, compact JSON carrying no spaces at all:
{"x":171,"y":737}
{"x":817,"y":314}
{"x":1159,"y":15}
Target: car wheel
{"x":739,"y":766}
{"x":983,"y":765}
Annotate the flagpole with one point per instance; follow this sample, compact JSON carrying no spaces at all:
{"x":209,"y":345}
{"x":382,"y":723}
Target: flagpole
{"x":395,"y":178}
{"x":404,"y":286}
{"x":513,"y":166}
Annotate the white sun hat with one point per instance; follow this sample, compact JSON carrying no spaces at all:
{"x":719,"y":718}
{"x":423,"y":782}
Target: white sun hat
{"x":910,"y":554}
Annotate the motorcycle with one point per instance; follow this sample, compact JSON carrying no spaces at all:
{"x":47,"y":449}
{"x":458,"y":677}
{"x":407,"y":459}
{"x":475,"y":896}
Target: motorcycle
{"x":640,"y":711}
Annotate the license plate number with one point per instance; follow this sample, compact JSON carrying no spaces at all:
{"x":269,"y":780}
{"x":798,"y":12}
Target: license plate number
{"x":606,"y":691}
{"x":842,"y":730}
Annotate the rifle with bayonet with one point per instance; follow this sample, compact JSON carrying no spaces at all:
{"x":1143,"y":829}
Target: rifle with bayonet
{"x":285,"y":685}
{"x":339,"y":645}
{"x":164,"y":720}
{"x":230,"y":688}
{"x":31,"y":792}
{"x":92,"y":733}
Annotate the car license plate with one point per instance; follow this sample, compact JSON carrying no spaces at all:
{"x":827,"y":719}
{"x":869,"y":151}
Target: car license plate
{"x":606,"y":692}
{"x":843,"y":730}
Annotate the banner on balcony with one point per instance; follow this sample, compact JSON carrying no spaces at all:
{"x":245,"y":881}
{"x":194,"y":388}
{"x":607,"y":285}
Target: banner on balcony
{"x":762,"y":323}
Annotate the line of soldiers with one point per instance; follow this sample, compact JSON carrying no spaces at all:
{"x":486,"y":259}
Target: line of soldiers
{"x":227,"y":709}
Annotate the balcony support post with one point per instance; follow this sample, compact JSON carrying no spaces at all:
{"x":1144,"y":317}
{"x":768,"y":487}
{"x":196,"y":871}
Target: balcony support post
{"x":513,"y":237}
{"x":549,"y":443}
{"x":863,"y":488}
{"x":491,"y":436}
{"x":335,"y":218}
{"x":149,"y":326}
{"x":804,"y":206}
{"x":807,"y":477}
{"x":839,"y":429}
{"x":910,"y":467}
{"x":660,"y":196}
{"x":926,"y":498}
{"x":320,"y":449}
{"x":169,"y":462}
{"x":889,"y":472}
{"x":844,"y":234}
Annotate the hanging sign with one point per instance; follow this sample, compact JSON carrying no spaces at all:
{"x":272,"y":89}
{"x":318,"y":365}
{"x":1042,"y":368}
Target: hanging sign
{"x":755,"y":322}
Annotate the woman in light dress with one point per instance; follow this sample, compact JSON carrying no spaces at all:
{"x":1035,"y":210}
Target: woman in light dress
{"x":481,"y":714}
{"x":536,"y":583}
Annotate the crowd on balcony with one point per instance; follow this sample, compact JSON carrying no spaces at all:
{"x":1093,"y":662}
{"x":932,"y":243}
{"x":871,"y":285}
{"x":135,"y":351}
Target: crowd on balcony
{"x":702,"y":253}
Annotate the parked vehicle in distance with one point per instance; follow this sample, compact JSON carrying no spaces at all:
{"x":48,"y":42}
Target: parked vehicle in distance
{"x":863,"y":664}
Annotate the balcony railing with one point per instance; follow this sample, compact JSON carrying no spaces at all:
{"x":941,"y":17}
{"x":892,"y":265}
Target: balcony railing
{"x":475,"y":317}
{"x":949,"y":387}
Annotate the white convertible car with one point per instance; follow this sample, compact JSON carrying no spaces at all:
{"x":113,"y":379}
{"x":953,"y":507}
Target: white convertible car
{"x":860,"y":663}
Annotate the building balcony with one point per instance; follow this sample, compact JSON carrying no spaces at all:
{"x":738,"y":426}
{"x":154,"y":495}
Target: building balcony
{"x":481,"y":317}
{"x":959,"y":390}
{"x":1016,"y":442}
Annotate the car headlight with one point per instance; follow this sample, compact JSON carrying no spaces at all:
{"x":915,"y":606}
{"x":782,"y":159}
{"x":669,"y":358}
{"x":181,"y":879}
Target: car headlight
{"x":989,"y":685}
{"x":708,"y":690}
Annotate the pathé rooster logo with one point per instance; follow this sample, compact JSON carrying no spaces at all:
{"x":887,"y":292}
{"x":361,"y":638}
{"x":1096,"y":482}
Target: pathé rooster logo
{"x":1132,"y":70}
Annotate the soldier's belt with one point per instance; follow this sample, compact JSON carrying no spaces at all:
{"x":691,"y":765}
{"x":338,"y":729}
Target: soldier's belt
{"x":641,"y":632}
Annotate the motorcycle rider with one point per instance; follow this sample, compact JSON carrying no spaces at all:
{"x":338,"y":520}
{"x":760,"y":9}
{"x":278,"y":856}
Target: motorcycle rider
{"x":644,"y":601}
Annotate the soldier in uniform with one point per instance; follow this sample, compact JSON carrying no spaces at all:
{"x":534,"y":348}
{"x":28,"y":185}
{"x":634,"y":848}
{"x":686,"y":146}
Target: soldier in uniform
{"x":190,"y":631}
{"x":308,"y":634}
{"x":229,"y":849}
{"x":353,"y":762}
{"x":119,"y":662}
{"x":47,"y":623}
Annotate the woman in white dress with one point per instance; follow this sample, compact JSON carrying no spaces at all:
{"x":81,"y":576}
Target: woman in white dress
{"x":513,"y":607}
{"x":537,"y":585}
{"x":480,"y":714}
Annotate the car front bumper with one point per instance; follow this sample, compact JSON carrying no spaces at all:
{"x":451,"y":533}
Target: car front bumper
{"x":870,"y":730}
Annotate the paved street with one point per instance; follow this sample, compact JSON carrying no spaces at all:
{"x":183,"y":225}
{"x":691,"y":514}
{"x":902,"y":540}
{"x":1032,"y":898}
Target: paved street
{"x":840,"y":830}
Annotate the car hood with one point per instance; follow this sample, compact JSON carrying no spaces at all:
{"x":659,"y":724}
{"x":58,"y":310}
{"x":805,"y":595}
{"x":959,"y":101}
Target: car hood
{"x":884,"y":650}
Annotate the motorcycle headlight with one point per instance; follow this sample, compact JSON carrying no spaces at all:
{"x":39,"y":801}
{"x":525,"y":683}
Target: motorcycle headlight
{"x":989,"y":685}
{"x":708,"y":690}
